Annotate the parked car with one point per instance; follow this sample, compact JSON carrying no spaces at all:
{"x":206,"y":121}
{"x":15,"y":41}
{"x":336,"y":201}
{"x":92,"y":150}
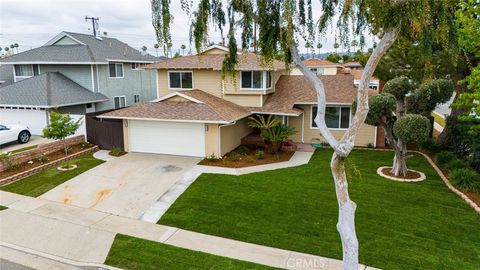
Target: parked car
{"x":11,"y":133}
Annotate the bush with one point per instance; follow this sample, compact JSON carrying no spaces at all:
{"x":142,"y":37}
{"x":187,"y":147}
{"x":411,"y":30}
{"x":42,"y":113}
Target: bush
{"x":430,"y":145}
{"x":259,"y":154}
{"x":412,"y":128}
{"x":211,"y":158}
{"x":243,"y":150}
{"x":249,"y":159}
{"x":116,"y":151}
{"x":42,"y":159}
{"x":456,"y":164}
{"x":370,"y":145}
{"x":85,"y":145}
{"x":443,"y":158}
{"x":234,"y":156}
{"x":465,"y":179}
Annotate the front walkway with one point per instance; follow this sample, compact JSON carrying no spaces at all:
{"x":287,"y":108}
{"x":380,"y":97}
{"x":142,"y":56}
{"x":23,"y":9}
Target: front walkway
{"x":83,"y":237}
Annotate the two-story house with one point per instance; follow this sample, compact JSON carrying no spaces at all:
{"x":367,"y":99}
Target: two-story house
{"x":200,"y":112}
{"x":318,"y":66}
{"x":76,"y":74}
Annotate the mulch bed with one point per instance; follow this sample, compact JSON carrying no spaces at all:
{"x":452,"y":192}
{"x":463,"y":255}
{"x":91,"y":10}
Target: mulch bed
{"x":410,"y":174}
{"x":248,"y":159}
{"x":117,"y":154}
{"x":51,"y":157}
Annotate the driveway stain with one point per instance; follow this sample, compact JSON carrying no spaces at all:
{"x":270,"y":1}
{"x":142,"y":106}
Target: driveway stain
{"x":171,"y":168}
{"x":67,"y":200}
{"x":100,"y":195}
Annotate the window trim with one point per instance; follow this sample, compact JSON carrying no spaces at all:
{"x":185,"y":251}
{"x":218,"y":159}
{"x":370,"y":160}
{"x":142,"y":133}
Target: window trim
{"x":25,"y":77}
{"x":339,"y":116}
{"x":122,"y":96}
{"x":264,"y":80}
{"x":180,"y":71}
{"x":123,"y":70}
{"x":139,"y":66}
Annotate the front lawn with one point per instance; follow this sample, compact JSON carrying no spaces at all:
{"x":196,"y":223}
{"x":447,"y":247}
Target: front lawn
{"x":3,"y":207}
{"x":37,"y":184}
{"x":134,"y":253}
{"x":399,"y":225}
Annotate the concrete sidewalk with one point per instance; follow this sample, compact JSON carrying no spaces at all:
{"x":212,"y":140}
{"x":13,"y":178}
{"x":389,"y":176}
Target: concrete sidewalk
{"x":85,"y":235}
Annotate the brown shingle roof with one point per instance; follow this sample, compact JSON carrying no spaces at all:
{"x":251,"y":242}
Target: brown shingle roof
{"x":212,"y":109}
{"x":357,"y":74}
{"x":291,"y":90}
{"x":316,"y":62}
{"x":246,"y":61}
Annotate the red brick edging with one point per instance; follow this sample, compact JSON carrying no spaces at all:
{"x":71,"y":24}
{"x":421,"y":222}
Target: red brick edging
{"x":21,"y":175}
{"x":442,"y":176}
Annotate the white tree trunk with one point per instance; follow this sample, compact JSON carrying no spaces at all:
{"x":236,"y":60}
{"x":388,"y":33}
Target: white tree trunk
{"x":346,"y":210}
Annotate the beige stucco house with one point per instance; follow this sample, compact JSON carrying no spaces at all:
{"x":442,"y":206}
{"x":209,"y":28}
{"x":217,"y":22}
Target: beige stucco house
{"x":199,"y":112}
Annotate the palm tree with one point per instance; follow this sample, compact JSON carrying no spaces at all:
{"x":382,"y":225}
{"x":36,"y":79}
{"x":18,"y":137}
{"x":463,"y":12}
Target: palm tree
{"x":354,"y":44}
{"x":183,"y":47}
{"x":16,"y":46}
{"x":336,"y":46}
{"x":156,"y":46}
{"x":307,"y":46}
{"x":319,"y":46}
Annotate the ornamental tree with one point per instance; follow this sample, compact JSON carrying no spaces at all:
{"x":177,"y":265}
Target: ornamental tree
{"x":402,"y":110}
{"x":282,"y":23}
{"x":61,"y":126}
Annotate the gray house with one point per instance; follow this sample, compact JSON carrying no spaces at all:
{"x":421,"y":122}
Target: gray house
{"x":76,"y":74}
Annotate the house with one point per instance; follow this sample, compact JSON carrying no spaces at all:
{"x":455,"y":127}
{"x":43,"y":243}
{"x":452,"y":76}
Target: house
{"x":200,"y":112}
{"x":318,"y":66}
{"x":76,"y":74}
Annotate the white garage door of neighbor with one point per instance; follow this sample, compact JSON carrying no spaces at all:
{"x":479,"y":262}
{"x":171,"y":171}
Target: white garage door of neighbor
{"x":36,"y":120}
{"x":172,"y":138}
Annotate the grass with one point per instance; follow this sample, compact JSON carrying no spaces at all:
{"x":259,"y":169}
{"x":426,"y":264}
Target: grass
{"x":399,"y":225}
{"x":134,"y":253}
{"x":16,"y":151}
{"x":3,"y":207}
{"x":37,"y":184}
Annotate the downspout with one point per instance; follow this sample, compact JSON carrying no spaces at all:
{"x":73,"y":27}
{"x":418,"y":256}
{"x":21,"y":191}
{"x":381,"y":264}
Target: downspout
{"x":303,"y":126}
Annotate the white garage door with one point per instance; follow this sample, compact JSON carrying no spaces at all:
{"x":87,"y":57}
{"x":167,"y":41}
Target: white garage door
{"x":183,"y":139}
{"x":36,"y":120}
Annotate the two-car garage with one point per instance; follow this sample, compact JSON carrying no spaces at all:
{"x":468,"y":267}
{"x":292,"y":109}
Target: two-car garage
{"x":172,"y":138}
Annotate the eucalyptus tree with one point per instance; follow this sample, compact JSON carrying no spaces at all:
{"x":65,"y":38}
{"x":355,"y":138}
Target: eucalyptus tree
{"x":282,"y":23}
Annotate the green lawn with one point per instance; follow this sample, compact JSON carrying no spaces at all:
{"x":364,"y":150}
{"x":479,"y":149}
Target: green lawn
{"x":399,"y":225}
{"x":24,"y":149}
{"x":134,"y":253}
{"x":3,"y":207}
{"x":43,"y":181}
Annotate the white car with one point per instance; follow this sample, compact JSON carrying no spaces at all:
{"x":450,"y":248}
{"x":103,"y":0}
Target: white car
{"x":11,"y":133}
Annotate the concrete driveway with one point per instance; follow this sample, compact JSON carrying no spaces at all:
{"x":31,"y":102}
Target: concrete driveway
{"x":125,"y":186}
{"x":34,"y":140}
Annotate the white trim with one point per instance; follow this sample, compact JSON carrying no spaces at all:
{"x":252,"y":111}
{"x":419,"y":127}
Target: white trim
{"x":215,"y":46}
{"x":164,"y":120}
{"x":303,"y":127}
{"x":14,"y":74}
{"x":180,"y":71}
{"x":60,"y":36}
{"x":98,"y":82}
{"x":24,"y":77}
{"x":328,"y":103}
{"x":375,"y":138}
{"x":93,"y":78}
{"x":55,"y":106}
{"x":51,"y":63}
{"x":177,"y":94}
{"x":277,"y":113}
{"x":264,"y":81}
{"x":130,"y":61}
{"x":156,"y":80}
{"x":125,"y":99}
{"x":123,"y":70}
{"x":339,"y":117}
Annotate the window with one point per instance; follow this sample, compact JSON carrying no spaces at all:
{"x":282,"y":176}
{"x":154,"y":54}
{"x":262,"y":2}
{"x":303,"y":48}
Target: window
{"x":119,"y":102}
{"x":137,"y":65}
{"x":26,"y":71}
{"x":136,"y":98}
{"x":89,"y":105}
{"x":181,"y":80}
{"x":374,"y":86}
{"x":116,"y":70}
{"x":317,"y":70}
{"x":335,"y":117}
{"x":256,"y":79}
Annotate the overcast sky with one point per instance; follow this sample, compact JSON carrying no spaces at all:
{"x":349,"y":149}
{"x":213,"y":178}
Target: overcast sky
{"x":31,"y":23}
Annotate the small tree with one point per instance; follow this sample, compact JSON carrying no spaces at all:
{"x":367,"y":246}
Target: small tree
{"x":61,"y":126}
{"x":389,"y":111}
{"x":272,"y":131}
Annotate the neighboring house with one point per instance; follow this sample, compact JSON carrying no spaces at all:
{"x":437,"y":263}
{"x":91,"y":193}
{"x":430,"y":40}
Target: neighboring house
{"x":318,"y":66}
{"x":201,"y":114}
{"x":76,"y":74}
{"x":357,"y":75}
{"x":353,"y":65}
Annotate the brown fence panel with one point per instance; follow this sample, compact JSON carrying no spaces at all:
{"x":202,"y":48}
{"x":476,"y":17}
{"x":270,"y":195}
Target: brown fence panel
{"x":106,"y":133}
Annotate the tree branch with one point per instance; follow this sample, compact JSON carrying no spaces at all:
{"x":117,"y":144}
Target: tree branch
{"x":318,"y":85}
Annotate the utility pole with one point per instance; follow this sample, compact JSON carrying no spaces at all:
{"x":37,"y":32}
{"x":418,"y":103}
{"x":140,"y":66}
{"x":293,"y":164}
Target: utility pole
{"x":94,"y":24}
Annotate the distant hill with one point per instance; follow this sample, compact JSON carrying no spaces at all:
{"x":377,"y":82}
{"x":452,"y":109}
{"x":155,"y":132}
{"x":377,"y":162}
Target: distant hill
{"x":322,"y":55}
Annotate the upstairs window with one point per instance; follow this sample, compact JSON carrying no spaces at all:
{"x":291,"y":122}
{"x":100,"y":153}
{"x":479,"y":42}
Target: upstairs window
{"x":25,"y":71}
{"x":256,"y":80}
{"x":180,"y":79}
{"x":119,"y":102}
{"x":137,"y":66}
{"x":116,"y":70}
{"x":136,"y":98}
{"x":336,"y":117}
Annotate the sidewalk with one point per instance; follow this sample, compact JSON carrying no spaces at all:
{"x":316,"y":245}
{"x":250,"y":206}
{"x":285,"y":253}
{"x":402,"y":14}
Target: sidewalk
{"x":84,"y":236}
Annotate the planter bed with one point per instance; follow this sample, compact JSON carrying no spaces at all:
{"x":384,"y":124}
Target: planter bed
{"x":247,"y":159}
{"x":25,"y":166}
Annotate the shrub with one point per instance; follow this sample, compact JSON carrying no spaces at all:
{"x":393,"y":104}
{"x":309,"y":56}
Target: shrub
{"x":370,"y":145}
{"x":456,"y":164}
{"x":430,"y":145}
{"x":116,"y":151}
{"x":211,"y":158}
{"x":249,"y":159}
{"x":444,"y":157}
{"x":68,"y":150}
{"x":412,"y":128}
{"x":8,"y":160}
{"x":234,"y":156}
{"x":259,"y":154}
{"x":243,"y":150}
{"x":85,"y":145}
{"x":42,"y":159}
{"x":465,"y":179}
